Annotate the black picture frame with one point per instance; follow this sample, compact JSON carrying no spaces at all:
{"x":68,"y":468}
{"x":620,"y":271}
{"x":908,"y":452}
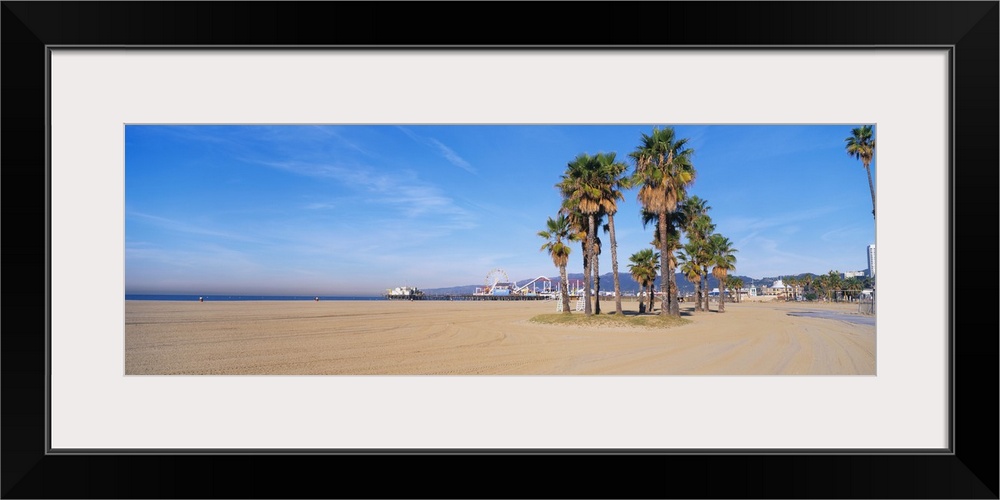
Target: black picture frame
{"x":969,"y":471}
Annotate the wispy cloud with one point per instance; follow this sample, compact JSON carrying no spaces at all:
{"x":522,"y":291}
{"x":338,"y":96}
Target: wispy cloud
{"x":788,"y":218}
{"x":448,"y":153}
{"x":408,"y":196}
{"x":452,"y":156}
{"x":342,"y":140}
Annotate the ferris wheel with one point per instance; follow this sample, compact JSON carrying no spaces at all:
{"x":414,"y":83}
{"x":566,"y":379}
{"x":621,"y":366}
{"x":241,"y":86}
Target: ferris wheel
{"x":496,"y":276}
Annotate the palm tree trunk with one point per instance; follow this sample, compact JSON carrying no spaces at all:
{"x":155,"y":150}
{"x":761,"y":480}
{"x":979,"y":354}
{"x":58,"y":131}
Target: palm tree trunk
{"x":586,"y":277}
{"x":704,"y":289}
{"x":564,"y":288}
{"x":722,"y":294}
{"x":675,"y":306}
{"x":596,"y":268}
{"x":697,"y":295}
{"x":664,"y":265}
{"x":651,"y":285}
{"x":589,"y":252}
{"x":871,"y":187}
{"x":614,"y":264}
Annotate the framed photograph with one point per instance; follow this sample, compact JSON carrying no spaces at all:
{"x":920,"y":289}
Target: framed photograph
{"x":95,"y":86}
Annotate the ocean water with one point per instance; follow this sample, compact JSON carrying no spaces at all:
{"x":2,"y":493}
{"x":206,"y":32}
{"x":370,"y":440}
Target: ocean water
{"x":216,"y":298}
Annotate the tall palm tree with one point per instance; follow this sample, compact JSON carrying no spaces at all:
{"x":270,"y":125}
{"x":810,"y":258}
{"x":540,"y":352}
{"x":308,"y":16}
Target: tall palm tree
{"x":861,"y":145}
{"x":557,"y":230}
{"x":614,"y":180}
{"x":672,"y":243}
{"x":693,"y":207}
{"x":643,"y":267}
{"x":581,"y":191}
{"x":723,"y":261}
{"x":663,"y":170}
{"x":578,"y":232}
{"x":705,"y":258}
{"x":703,"y":228}
{"x":698,"y":227}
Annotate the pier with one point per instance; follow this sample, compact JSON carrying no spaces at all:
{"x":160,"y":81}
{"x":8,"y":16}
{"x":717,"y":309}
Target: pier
{"x":469,"y":297}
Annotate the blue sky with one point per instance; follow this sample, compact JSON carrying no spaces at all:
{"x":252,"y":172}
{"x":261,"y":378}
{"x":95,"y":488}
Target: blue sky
{"x":356,"y":209}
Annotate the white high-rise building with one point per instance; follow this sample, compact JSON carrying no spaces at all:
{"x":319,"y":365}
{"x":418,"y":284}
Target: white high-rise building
{"x":871,"y":261}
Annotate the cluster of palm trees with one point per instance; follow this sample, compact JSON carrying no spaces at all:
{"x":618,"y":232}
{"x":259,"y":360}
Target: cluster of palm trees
{"x":831,"y":285}
{"x":735,"y":284}
{"x":591,"y":187}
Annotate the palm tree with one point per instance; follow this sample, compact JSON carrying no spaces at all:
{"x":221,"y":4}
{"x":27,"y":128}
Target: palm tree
{"x":699,"y":232}
{"x":672,"y":244}
{"x":663,"y":170}
{"x":861,"y":145}
{"x":693,"y":207}
{"x":723,"y":261}
{"x":556,"y":231}
{"x":853,"y":285}
{"x":737,"y":285}
{"x":687,"y":259}
{"x":698,"y":226}
{"x":833,"y":278}
{"x":614,"y":180}
{"x":578,"y":232}
{"x":703,"y":228}
{"x":807,"y":285}
{"x":581,"y":191}
{"x":828,"y":284}
{"x":821,"y":284}
{"x":643,"y":268}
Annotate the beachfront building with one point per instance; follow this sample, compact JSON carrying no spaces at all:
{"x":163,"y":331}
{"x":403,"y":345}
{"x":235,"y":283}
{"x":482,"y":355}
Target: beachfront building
{"x":854,"y":274}
{"x":871,"y":261}
{"x":776,"y":288}
{"x":780,"y":289}
{"x":402,"y":292}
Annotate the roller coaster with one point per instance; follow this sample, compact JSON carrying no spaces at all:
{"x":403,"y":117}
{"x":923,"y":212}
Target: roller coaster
{"x":499,"y":284}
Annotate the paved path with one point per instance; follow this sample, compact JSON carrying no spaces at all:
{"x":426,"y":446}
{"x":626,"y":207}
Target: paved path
{"x":850,"y":318}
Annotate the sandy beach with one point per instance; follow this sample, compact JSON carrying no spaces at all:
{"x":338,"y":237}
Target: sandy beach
{"x":486,"y":338}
